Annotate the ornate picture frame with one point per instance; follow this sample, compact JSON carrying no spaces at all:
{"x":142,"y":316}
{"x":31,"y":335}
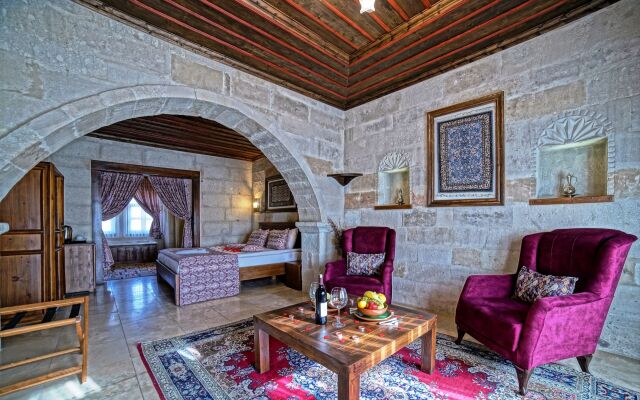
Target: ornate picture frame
{"x":278,"y":196}
{"x":465,"y":157}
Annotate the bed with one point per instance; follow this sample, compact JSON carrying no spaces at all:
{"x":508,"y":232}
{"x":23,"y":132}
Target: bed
{"x":208,"y":273}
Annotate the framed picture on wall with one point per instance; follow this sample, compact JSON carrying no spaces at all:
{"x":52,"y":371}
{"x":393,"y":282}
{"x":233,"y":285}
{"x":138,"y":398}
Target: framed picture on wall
{"x":465,"y":153}
{"x":278,"y":195}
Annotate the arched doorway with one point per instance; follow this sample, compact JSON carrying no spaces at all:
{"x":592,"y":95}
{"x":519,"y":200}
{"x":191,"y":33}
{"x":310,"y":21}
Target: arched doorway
{"x":48,"y":132}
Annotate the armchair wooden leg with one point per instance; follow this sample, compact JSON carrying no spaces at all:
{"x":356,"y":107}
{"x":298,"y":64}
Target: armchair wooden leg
{"x":460,"y":336}
{"x":584,"y":362}
{"x":523,"y":379}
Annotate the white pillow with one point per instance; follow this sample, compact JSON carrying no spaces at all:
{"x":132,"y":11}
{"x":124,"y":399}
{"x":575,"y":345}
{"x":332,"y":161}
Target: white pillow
{"x":293,"y":235}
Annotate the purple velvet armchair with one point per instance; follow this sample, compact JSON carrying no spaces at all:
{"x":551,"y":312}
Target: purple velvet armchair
{"x":364,"y":240}
{"x":552,"y":328}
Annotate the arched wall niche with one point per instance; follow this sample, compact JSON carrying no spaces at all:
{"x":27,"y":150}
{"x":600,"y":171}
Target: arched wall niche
{"x":577,"y":143}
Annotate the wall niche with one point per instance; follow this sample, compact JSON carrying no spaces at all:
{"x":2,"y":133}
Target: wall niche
{"x":394,"y":190}
{"x":580,"y":145}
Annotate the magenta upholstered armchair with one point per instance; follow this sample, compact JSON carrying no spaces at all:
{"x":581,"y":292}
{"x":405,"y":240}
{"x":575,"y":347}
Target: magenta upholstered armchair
{"x":552,"y":328}
{"x":364,"y":240}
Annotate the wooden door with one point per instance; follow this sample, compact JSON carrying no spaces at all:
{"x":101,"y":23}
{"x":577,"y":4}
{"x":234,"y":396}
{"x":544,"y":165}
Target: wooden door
{"x":22,"y":249}
{"x":58,"y":210}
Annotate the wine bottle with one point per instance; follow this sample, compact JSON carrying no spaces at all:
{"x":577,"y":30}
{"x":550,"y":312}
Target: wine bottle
{"x":321,"y":303}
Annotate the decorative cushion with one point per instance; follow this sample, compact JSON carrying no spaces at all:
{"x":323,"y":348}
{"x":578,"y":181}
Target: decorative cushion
{"x":293,"y":235}
{"x":252,"y":248}
{"x":258,"y":237}
{"x":531,"y":285}
{"x":364,"y":264}
{"x":278,"y":239}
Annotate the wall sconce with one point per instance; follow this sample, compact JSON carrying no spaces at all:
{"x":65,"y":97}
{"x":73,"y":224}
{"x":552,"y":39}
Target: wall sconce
{"x":367,"y":6}
{"x":256,"y":205}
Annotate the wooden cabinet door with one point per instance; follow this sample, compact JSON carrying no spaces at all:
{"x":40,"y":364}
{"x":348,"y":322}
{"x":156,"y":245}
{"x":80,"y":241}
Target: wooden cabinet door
{"x":80,"y":268}
{"x":20,"y":279}
{"x":22,"y":249}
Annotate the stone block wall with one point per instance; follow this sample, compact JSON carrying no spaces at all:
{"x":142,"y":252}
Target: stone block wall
{"x":59,"y":54}
{"x":225,"y":185}
{"x":263,"y":169}
{"x":590,"y":65}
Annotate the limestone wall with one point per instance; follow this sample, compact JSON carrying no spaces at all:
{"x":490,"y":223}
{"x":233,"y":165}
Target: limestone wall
{"x":66,"y":70}
{"x":263,"y":169}
{"x":591,"y":65}
{"x":225,"y":185}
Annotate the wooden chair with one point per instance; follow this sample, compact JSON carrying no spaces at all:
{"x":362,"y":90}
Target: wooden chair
{"x":11,"y":328}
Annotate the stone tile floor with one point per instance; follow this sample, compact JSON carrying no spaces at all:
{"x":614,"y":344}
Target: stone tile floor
{"x":125,"y":312}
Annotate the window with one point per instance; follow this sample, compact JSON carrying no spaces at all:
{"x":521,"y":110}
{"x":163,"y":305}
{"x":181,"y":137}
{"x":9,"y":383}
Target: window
{"x":133,"y":221}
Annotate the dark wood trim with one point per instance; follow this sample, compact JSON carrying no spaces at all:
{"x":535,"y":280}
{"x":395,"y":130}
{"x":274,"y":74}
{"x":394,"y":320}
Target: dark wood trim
{"x":261,"y":271}
{"x":171,"y":278}
{"x":142,"y":169}
{"x":392,"y":206}
{"x":498,"y":100}
{"x":571,"y":200}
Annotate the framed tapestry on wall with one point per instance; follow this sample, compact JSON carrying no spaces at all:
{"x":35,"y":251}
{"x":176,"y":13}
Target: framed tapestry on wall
{"x":465,"y":156}
{"x":278,"y":195}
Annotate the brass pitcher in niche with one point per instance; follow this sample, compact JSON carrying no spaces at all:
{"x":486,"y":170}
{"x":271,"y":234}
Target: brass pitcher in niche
{"x":569,"y":190}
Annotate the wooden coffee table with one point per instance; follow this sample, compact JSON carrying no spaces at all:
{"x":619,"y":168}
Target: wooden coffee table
{"x":345,"y":357}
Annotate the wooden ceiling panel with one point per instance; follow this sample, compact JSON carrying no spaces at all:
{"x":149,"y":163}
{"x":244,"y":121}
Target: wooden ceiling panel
{"x":327,"y":50}
{"x":183,"y":133}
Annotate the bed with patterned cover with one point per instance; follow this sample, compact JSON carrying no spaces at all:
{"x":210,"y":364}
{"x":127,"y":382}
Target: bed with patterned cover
{"x":215,"y":272}
{"x":200,"y":274}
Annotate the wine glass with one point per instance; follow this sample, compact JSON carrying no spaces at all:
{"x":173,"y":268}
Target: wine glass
{"x":339,"y":299}
{"x":312,"y":292}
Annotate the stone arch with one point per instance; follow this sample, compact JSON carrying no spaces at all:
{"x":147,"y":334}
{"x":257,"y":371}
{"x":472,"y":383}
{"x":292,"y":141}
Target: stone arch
{"x":43,"y":135}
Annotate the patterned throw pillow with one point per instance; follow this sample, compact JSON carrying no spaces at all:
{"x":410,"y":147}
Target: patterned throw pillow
{"x":278,"y":239}
{"x":250,"y":248}
{"x":364,"y":264}
{"x":532,"y":285}
{"x":258,"y":237}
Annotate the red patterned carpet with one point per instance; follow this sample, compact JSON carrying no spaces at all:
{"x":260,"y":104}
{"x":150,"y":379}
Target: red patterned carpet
{"x":217,"y":364}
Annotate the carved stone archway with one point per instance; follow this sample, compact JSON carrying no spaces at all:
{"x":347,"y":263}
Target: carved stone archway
{"x":48,"y":132}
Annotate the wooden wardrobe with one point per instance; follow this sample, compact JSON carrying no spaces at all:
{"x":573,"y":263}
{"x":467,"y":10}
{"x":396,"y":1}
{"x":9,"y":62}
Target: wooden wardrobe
{"x":32,"y":252}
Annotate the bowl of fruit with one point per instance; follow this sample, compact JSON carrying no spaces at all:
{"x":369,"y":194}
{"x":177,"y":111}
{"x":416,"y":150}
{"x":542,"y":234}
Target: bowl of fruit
{"x":372,"y":304}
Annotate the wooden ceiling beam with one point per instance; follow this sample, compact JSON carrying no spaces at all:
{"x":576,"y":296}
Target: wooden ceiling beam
{"x":424,"y":38}
{"x":297,"y":44}
{"x":439,"y":10}
{"x":399,"y":10}
{"x":284,"y":21}
{"x":238,"y":50}
{"x":348,"y":20}
{"x":323,"y":24}
{"x":147,"y":128}
{"x":398,"y":74}
{"x":278,"y":40}
{"x":224,"y":153}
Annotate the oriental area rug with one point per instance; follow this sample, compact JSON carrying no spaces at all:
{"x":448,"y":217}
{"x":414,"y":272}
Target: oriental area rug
{"x":218,"y":364}
{"x":130,"y":270}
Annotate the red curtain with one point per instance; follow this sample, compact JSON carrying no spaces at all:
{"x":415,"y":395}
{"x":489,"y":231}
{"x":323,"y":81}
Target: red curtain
{"x":116,"y":191}
{"x":175,"y":194}
{"x":148,"y":199}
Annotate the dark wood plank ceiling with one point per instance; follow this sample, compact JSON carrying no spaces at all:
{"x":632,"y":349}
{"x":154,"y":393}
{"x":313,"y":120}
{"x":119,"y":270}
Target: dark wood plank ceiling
{"x":328,"y":50}
{"x":176,"y":132}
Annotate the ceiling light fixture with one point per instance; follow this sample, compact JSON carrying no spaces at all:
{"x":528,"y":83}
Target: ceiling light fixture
{"x":367,"y":6}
